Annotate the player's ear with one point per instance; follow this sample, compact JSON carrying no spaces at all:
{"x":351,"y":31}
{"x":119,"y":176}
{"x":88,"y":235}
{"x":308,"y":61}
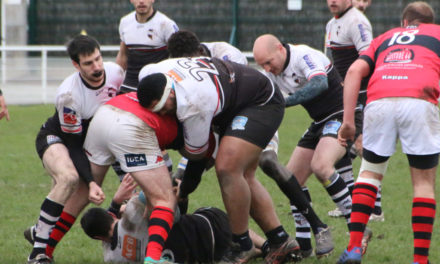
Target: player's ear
{"x":76,"y":65}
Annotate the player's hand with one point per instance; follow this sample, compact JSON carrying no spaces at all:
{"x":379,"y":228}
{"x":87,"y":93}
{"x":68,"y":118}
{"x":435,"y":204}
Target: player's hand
{"x":346,"y":133}
{"x":125,"y":190}
{"x":96,"y":195}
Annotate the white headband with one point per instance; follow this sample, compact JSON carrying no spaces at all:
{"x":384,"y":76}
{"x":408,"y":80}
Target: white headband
{"x":166,"y":92}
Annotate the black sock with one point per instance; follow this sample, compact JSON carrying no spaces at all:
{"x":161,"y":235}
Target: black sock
{"x":277,"y":236}
{"x":244,"y":240}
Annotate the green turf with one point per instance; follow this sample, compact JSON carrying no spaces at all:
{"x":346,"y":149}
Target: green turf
{"x":24,"y":184}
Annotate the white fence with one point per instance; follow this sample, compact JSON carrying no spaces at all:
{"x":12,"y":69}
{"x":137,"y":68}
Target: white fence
{"x":33,"y":79}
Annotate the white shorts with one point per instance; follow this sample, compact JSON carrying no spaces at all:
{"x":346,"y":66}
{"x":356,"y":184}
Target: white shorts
{"x":415,"y":122}
{"x":273,"y":144}
{"x":115,"y":134}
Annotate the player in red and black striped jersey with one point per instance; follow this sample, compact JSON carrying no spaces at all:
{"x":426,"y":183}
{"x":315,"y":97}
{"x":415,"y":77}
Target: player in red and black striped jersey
{"x":403,"y":94}
{"x":59,"y":142}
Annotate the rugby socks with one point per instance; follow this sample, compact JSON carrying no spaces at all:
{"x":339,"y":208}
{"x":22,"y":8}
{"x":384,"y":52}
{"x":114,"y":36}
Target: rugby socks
{"x":364,"y":196}
{"x":168,"y":162}
{"x":302,"y":228}
{"x":159,"y":226}
{"x":345,"y":170}
{"x":277,"y":236}
{"x":378,"y":203}
{"x":62,"y":226}
{"x":49,"y":214}
{"x":423,"y":215}
{"x":244,"y":240}
{"x":339,"y":193}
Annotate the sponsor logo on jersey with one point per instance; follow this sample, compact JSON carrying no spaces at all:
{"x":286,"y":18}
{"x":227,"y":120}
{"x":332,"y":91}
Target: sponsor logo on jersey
{"x":51,"y":139}
{"x":394,"y":77}
{"x":239,"y":123}
{"x":309,"y":62}
{"x":399,"y":56}
{"x":131,"y":248}
{"x":331,"y":127}
{"x":69,"y":116}
{"x":134,"y":160}
{"x":361,"y":28}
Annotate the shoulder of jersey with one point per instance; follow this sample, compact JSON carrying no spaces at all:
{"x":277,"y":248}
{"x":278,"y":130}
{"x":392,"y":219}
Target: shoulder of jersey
{"x":113,"y":69}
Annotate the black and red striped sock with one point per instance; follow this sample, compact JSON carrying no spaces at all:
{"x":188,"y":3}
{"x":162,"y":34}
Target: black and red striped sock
{"x":159,"y":226}
{"x":364,"y":196}
{"x":62,"y":226}
{"x":423,"y":215}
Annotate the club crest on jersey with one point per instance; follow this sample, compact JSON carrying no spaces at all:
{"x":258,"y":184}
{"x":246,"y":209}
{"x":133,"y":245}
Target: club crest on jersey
{"x":399,"y":56}
{"x":309,"y":62}
{"x":134,"y":160}
{"x":69,"y":116}
{"x":331,"y":127}
{"x":239,"y":123}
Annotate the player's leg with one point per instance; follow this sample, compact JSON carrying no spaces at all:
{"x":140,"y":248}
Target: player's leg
{"x":424,"y":204}
{"x":327,"y":153}
{"x":300,"y":205}
{"x":58,"y":164}
{"x":74,"y":206}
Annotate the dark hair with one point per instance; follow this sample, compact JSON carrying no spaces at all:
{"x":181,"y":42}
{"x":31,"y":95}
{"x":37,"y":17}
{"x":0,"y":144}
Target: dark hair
{"x":81,"y":45}
{"x":184,"y":43}
{"x":418,"y":12}
{"x":151,"y":88}
{"x":96,"y":222}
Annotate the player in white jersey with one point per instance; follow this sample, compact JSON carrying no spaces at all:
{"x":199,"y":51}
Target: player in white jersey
{"x":185,"y":43}
{"x":246,"y":109}
{"x":59,"y":142}
{"x":308,"y":78}
{"x":144,"y":34}
{"x":201,"y":237}
{"x":349,"y":33}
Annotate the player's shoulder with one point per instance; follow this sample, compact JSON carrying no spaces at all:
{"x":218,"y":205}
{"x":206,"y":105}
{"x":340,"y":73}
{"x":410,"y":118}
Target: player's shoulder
{"x":354,"y":16}
{"x":162,"y":17}
{"x":113,"y":68}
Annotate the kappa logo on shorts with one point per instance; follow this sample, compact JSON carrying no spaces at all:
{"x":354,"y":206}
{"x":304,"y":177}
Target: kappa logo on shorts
{"x":134,"y":160}
{"x":331,"y":127}
{"x":239,"y":123}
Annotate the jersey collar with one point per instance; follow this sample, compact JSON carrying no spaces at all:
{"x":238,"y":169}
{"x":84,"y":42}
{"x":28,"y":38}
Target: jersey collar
{"x":114,"y":241}
{"x":343,"y":13}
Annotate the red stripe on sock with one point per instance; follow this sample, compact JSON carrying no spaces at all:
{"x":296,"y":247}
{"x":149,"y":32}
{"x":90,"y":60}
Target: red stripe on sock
{"x":56,"y":235}
{"x":367,"y":198}
{"x":154,"y":249}
{"x":423,"y":227}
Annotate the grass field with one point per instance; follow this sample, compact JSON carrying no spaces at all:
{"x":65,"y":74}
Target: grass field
{"x":24,"y":184}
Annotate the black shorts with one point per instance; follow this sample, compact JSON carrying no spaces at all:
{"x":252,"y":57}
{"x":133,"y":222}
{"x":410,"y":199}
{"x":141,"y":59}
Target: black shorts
{"x":256,"y":124}
{"x":44,"y":139}
{"x":201,"y":237}
{"x":328,"y":128}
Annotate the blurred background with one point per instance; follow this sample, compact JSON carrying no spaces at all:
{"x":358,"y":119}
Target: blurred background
{"x":33,"y":61}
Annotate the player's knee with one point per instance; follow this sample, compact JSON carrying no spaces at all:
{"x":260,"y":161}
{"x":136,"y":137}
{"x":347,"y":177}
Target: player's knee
{"x":69,"y":180}
{"x":321,"y":169}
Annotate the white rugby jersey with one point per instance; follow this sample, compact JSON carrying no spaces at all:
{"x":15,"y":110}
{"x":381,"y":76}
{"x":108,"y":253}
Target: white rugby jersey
{"x":130,"y":241}
{"x":195,"y":107}
{"x":304,"y":63}
{"x":347,"y":36}
{"x":146,"y":42}
{"x":76,"y":101}
{"x":225,"y":51}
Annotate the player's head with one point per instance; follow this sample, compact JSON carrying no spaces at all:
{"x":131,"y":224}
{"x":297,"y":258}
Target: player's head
{"x":156,"y":92}
{"x":270,"y":54}
{"x":362,"y":5}
{"x":416,"y":13}
{"x":97,"y":223}
{"x":143,"y":7}
{"x":85,"y":53}
{"x":337,"y":7}
{"x":184,"y":43}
